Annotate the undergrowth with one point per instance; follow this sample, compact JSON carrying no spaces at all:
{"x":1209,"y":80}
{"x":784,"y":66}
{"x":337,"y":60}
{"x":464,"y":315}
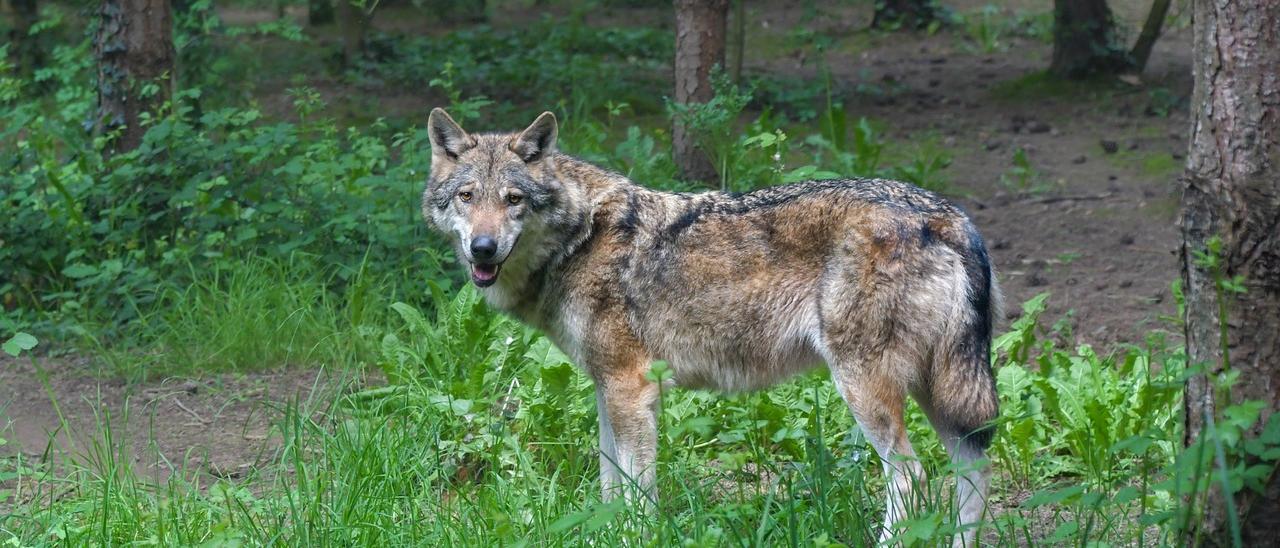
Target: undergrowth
{"x":485,"y":434}
{"x":234,"y":239}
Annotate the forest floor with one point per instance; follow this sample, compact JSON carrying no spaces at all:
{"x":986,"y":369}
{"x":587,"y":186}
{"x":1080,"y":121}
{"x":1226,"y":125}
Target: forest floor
{"x":219,"y":426}
{"x":1097,"y":228}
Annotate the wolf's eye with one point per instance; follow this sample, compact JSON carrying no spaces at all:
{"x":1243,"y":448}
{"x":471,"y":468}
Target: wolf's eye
{"x":514,"y":199}
{"x":464,"y":196}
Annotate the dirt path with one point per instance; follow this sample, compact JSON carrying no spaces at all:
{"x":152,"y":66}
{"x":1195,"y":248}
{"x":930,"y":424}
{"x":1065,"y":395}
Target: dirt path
{"x":220,"y":426}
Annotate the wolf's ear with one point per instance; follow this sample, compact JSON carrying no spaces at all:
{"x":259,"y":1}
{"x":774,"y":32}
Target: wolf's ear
{"x":538,"y":140}
{"x":447,"y":137}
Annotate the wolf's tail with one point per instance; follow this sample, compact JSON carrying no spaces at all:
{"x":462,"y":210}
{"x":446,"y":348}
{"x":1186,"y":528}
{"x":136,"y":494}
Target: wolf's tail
{"x":963,"y":385}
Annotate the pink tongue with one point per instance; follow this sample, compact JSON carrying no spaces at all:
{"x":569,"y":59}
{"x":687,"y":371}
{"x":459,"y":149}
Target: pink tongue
{"x":484,"y":272}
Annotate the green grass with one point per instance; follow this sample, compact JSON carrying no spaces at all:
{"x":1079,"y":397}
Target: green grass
{"x":1040,"y":85}
{"x":1157,"y":165}
{"x":261,"y":313}
{"x":485,"y":435}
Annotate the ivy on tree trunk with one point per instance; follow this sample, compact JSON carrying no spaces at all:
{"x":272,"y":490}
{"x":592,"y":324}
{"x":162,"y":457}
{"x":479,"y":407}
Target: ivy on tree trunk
{"x":700,"y":43}
{"x":134,"y":48}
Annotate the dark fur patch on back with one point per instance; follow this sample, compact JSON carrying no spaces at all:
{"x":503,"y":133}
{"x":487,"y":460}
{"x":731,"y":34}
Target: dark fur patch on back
{"x":684,"y":221}
{"x":926,"y":235}
{"x":893,"y":194}
{"x":630,"y":221}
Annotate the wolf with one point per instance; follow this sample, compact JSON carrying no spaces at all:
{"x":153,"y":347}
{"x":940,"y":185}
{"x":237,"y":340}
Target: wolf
{"x":888,"y":285}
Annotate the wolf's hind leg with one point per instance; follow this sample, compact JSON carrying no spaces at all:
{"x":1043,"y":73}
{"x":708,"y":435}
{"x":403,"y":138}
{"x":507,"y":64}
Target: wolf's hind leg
{"x":972,"y":473}
{"x":610,"y":474}
{"x":960,"y":413}
{"x":877,"y":401}
{"x":628,"y":407}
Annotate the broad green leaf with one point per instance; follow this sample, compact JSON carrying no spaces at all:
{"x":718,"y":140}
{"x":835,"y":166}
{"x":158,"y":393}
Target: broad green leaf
{"x":543,"y":352}
{"x":417,"y":324}
{"x":79,"y":270}
{"x":1065,"y":530}
{"x":556,"y":378}
{"x":19,"y":343}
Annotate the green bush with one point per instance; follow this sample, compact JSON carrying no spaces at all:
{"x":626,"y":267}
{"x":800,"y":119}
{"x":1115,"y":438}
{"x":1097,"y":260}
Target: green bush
{"x":111,"y":233}
{"x":534,"y":65}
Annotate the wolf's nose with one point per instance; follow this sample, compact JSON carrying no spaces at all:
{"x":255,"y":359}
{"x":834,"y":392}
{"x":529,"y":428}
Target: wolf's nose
{"x":483,"y":248}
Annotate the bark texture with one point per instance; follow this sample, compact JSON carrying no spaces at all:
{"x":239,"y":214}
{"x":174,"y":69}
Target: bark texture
{"x":908,"y":14}
{"x":1231,"y":190}
{"x":1084,"y":41}
{"x":700,"y":44}
{"x":134,"y":48}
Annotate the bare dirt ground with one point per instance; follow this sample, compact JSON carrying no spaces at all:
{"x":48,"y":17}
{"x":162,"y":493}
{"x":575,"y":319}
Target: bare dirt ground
{"x":1100,"y":236}
{"x":220,"y":426}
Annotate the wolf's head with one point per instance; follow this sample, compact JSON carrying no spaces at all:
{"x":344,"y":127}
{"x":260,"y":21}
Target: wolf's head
{"x":498,"y":197}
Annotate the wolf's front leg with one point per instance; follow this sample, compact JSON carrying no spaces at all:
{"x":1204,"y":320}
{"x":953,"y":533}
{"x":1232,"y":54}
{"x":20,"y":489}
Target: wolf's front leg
{"x":628,"y":407}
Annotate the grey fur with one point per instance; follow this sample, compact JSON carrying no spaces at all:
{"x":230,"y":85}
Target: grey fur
{"x":889,"y":285}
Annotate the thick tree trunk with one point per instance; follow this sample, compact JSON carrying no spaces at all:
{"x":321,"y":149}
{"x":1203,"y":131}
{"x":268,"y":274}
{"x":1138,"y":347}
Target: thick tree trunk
{"x":1150,"y":32}
{"x":700,"y":37}
{"x":319,"y":12}
{"x":1084,"y":42}
{"x":134,"y":48}
{"x":1231,"y":191}
{"x":904,"y":14}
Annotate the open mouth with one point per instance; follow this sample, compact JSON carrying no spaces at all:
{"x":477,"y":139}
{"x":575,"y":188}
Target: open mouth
{"x":484,"y":275}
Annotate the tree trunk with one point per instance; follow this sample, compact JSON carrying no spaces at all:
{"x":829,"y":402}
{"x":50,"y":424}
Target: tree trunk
{"x":353,"y":20}
{"x":1231,"y":191}
{"x":22,"y":47}
{"x":134,"y":48}
{"x":1150,"y":32}
{"x":904,"y":14}
{"x":1084,"y":42}
{"x":700,"y":37}
{"x":319,"y":12}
